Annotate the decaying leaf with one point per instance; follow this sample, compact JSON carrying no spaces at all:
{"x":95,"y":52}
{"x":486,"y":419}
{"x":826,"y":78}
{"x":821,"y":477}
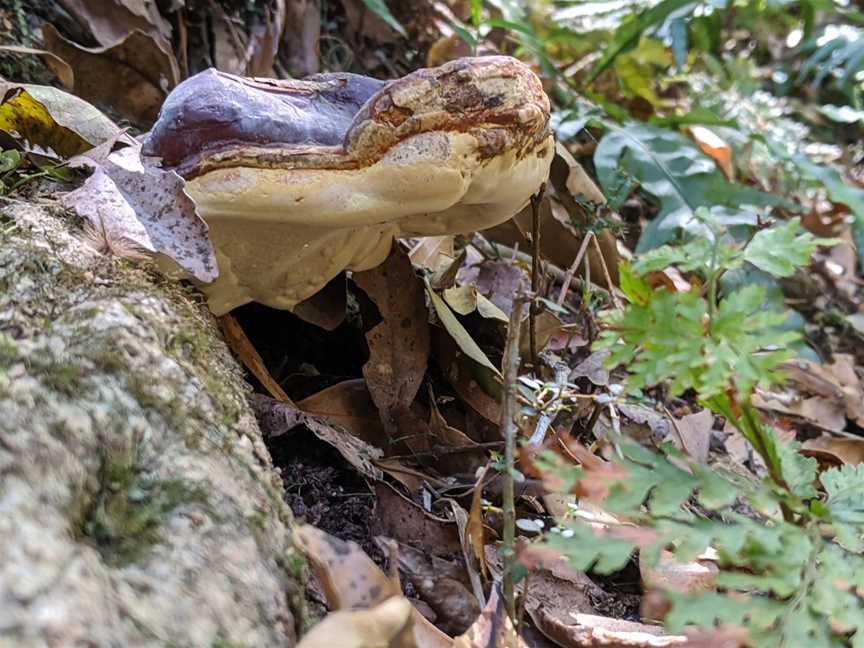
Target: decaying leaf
{"x":149,"y":208}
{"x":714,"y":147}
{"x":348,"y":404}
{"x":388,"y":624}
{"x":465,"y":376}
{"x":399,"y":344}
{"x":432,"y":252}
{"x":278,"y":417}
{"x":398,"y":518}
{"x":351,"y":580}
{"x":492,"y":629}
{"x":133,"y":75}
{"x":440,"y":583}
{"x":465,"y":300}
{"x":349,"y":577}
{"x":832,"y":450}
{"x":22,"y":115}
{"x":112,"y":20}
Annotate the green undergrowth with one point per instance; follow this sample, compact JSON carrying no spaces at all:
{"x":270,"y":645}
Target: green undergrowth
{"x":791,"y":545}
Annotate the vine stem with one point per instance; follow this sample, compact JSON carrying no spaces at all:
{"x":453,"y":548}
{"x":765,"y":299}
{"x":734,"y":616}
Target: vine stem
{"x":509,"y":405}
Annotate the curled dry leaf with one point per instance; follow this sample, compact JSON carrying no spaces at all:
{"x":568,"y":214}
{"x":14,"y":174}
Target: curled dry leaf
{"x":692,"y":434}
{"x":387,"y":624}
{"x":278,"y":417}
{"x":147,"y":207}
{"x":458,"y":332}
{"x":132,"y":75}
{"x":465,"y":300}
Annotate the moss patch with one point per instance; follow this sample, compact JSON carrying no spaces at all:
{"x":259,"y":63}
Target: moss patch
{"x":126,"y":516}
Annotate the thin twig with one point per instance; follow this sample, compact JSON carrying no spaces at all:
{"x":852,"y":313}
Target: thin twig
{"x":606,"y":275}
{"x":535,"y":271}
{"x":510,"y":371}
{"x":568,"y":277}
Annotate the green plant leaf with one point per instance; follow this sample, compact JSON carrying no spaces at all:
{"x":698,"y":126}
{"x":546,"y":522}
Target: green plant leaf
{"x":844,"y":487}
{"x":682,"y":178}
{"x":779,"y":250}
{"x":629,"y":33}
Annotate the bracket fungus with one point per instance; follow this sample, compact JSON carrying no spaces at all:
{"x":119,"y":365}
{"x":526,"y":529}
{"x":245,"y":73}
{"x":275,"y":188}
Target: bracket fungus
{"x":299,"y":180}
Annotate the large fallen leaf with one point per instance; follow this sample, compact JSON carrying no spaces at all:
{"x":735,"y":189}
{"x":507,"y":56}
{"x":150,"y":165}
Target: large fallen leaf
{"x":278,"y":417}
{"x":351,"y":580}
{"x":133,"y":75}
{"x":399,"y":344}
{"x":387,"y":625}
{"x":148,"y":208}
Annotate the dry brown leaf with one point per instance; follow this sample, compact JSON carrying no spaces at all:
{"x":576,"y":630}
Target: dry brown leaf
{"x":547,"y":324}
{"x":113,"y":20}
{"x":835,"y":450}
{"x":351,"y":580}
{"x":464,"y":375}
{"x":349,"y":577}
{"x":278,"y":417}
{"x":133,"y":75}
{"x":327,"y":307}
{"x":300,"y":39}
{"x":593,"y":368}
{"x":669,"y":575}
{"x":578,"y":182}
{"x":387,"y":625}
{"x":670,"y":278}
{"x":476,"y":530}
{"x":399,"y":344}
{"x":590,"y":631}
{"x":348,"y":404}
{"x":449,"y":437}
{"x":714,"y":147}
{"x":401,"y":519}
{"x":440,"y":583}
{"x":692,"y":434}
{"x":492,"y":629}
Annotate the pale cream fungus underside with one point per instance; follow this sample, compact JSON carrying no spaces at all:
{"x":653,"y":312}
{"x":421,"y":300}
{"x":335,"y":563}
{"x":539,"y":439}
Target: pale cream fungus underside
{"x":448,"y":150}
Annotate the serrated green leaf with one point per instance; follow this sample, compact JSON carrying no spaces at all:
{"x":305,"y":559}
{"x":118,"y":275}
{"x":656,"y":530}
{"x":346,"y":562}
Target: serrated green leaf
{"x":844,"y":487}
{"x":781,"y":249}
{"x":798,"y":471}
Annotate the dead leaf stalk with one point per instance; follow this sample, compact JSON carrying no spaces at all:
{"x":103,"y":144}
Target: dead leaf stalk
{"x":535,"y":270}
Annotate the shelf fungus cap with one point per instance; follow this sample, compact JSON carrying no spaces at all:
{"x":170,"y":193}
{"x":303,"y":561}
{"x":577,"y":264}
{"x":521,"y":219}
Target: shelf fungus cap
{"x":299,"y":180}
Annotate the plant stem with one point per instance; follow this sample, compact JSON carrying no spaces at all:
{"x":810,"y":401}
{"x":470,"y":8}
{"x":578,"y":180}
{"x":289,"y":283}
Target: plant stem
{"x":510,"y":371}
{"x":535,"y":270}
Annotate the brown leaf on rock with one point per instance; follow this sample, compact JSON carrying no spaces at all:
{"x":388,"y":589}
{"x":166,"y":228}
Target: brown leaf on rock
{"x":399,"y":344}
{"x":492,"y":629}
{"x":387,"y":624}
{"x":278,"y":417}
{"x":401,"y":519}
{"x":133,"y":75}
{"x":147,"y":207}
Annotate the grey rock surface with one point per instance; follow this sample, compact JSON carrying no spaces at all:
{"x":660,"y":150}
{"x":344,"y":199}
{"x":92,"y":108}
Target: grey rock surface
{"x":138,"y":505}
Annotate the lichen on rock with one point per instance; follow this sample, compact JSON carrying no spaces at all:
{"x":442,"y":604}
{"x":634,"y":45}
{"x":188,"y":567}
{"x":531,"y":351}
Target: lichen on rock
{"x":138,"y":504}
